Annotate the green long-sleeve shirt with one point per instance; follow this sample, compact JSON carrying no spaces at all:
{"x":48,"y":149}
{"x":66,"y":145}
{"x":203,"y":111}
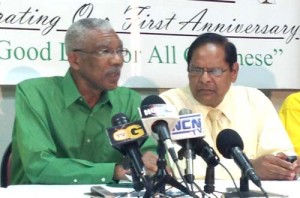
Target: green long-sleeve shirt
{"x":58,"y":139}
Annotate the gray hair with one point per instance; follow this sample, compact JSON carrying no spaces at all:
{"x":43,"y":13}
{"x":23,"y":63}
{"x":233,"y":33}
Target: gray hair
{"x":76,"y":34}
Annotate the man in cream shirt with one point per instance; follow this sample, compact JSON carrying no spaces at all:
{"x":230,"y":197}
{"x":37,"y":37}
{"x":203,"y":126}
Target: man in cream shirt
{"x":212,"y":68}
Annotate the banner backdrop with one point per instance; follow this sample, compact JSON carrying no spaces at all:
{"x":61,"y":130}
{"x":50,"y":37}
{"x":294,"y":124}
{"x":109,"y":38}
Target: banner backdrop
{"x":157,"y":34}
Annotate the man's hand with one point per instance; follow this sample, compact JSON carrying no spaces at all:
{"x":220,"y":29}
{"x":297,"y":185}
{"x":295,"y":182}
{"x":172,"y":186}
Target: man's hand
{"x":119,"y":173}
{"x":297,"y":166}
{"x":150,"y":162}
{"x":270,"y":167}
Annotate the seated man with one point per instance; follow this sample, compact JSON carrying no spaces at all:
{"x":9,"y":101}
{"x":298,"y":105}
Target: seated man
{"x":289,"y":114}
{"x":59,"y":134}
{"x":212,"y":68}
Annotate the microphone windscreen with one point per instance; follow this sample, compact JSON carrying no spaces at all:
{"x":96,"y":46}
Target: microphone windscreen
{"x":119,"y":119}
{"x":185,"y":111}
{"x":228,"y":139}
{"x":152,"y":99}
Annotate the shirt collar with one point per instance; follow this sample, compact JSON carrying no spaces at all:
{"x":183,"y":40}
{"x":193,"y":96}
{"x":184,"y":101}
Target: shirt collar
{"x":71,"y":93}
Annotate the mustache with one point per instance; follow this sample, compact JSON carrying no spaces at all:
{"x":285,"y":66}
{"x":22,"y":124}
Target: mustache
{"x":113,"y":70}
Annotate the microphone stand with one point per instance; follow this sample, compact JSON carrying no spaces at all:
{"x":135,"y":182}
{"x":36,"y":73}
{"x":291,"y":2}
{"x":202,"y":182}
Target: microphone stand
{"x":209,"y":179}
{"x":162,"y":177}
{"x":189,"y":155}
{"x":139,"y":182}
{"x":136,"y":180}
{"x":244,"y":190}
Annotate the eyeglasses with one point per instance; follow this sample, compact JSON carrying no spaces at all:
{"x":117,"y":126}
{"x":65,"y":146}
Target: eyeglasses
{"x":105,"y":52}
{"x":198,"y":71}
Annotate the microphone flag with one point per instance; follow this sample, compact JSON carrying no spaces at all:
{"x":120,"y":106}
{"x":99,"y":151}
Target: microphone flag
{"x":125,"y":133}
{"x":188,"y":126}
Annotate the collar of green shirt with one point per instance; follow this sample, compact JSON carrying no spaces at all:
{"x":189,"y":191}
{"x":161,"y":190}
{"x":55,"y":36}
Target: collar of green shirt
{"x":71,"y":93}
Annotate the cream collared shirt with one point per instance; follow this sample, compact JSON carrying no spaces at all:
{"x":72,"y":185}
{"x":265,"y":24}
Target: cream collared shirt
{"x":249,"y":112}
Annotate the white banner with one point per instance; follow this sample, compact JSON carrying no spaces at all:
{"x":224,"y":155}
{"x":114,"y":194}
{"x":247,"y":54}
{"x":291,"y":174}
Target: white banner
{"x":157,"y":34}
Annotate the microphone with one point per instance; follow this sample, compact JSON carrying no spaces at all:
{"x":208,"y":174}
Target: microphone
{"x":160,"y":118}
{"x":127,"y":137}
{"x":202,"y":148}
{"x":187,"y":129}
{"x":230,"y":145}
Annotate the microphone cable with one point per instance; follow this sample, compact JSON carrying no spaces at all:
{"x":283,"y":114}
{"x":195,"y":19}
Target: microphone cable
{"x":232,"y":179}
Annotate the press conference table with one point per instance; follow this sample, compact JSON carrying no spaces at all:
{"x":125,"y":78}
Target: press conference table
{"x":290,"y":188}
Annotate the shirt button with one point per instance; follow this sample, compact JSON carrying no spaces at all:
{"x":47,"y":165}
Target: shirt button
{"x":91,"y":115}
{"x":103,"y":179}
{"x":75,"y":180}
{"x":88,"y":140}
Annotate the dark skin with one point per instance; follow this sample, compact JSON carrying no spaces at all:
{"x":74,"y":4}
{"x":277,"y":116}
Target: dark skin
{"x":270,"y":167}
{"x":93,"y":75}
{"x":210,"y":90}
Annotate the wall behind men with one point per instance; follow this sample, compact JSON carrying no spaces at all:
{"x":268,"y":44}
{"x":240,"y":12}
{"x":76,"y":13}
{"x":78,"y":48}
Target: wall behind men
{"x":157,"y":35}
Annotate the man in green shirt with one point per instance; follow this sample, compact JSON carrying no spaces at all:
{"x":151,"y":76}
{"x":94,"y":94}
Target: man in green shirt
{"x":59,"y":134}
